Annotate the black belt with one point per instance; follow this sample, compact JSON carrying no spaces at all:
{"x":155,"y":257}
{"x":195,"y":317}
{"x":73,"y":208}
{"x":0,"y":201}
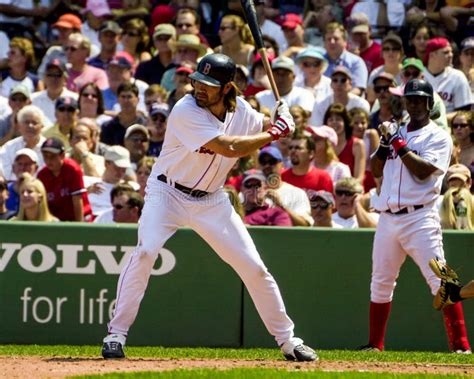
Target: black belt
{"x":183,"y":189}
{"x":404,"y":210}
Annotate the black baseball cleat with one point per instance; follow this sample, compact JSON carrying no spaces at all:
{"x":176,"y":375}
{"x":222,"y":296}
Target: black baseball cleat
{"x":294,"y":350}
{"x":113,"y":346}
{"x":369,"y":348}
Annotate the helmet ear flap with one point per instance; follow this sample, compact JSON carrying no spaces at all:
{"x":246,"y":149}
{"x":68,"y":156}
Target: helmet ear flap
{"x":430,"y":103}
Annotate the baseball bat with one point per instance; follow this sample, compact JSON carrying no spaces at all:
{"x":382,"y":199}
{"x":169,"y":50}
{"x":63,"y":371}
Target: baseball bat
{"x":251,"y":16}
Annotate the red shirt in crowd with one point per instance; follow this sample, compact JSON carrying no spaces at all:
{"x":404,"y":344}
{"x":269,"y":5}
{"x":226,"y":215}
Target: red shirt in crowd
{"x":268,"y":216}
{"x":372,"y":56}
{"x":346,"y":156}
{"x":61,"y":188}
{"x":316,"y":180}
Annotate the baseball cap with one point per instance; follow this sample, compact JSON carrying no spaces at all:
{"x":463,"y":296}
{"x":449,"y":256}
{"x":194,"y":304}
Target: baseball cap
{"x":325,"y":195}
{"x":164,"y":29}
{"x":291,"y":21}
{"x":28,"y":153}
{"x":315,"y":53}
{"x":361,"y":28}
{"x":273,"y":151}
{"x":119,"y":155}
{"x":157,"y":108}
{"x":53,"y":145}
{"x":68,"y":21}
{"x":458,"y":171}
{"x":184,"y":69}
{"x":283,"y":63}
{"x":467,"y":43}
{"x":358,"y":23}
{"x":22,"y":89}
{"x":136,"y":128}
{"x":325,"y":132}
{"x":253,"y":174}
{"x":110,"y":26}
{"x":391,"y":37}
{"x":55,"y":62}
{"x":386,"y":76}
{"x":190,"y":41}
{"x":433,"y":45}
{"x":99,"y":8}
{"x":122,"y":59}
{"x":413,"y":62}
{"x":66,"y":101}
{"x":342,"y":70}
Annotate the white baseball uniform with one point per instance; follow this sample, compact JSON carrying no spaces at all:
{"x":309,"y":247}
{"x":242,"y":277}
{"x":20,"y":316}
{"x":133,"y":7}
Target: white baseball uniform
{"x":185,"y":162}
{"x":452,"y":86}
{"x":416,"y":231}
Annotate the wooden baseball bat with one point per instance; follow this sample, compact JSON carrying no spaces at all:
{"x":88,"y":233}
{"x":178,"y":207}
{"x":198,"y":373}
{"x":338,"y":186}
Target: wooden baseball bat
{"x":251,"y":16}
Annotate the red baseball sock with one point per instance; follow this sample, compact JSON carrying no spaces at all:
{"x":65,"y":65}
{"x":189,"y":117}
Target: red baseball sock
{"x":379,"y":313}
{"x":453,"y":316}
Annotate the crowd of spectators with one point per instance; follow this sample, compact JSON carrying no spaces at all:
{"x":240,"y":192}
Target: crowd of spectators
{"x":86,"y":89}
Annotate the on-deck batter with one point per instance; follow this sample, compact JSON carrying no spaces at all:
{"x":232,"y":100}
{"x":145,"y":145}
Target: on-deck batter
{"x":207,"y":132}
{"x":412,"y":161}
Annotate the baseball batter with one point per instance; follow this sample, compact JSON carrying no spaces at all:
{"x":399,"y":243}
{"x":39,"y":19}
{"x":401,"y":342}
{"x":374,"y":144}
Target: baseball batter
{"x":207,"y":132}
{"x":412,"y":160}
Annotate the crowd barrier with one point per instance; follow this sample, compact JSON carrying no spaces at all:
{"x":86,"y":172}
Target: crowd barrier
{"x":58,"y":281}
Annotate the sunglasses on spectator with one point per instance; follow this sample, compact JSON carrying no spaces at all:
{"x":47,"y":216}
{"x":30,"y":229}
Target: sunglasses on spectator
{"x":253,"y":185}
{"x":411,"y":73}
{"x":380,"y":89}
{"x":131,"y":34}
{"x":54,"y":75}
{"x":89,"y":95}
{"x":270,"y":161}
{"x":18,"y":99}
{"x":67,"y":109}
{"x":459,"y":125}
{"x":345,"y":193}
{"x":163,"y":37}
{"x":71,"y":48}
{"x":320,"y":206}
{"x":339,"y":80}
{"x":224,"y":27}
{"x":311,"y":64}
{"x":138,"y":139}
{"x":158,"y":117}
{"x":118,"y":206}
{"x":391,"y":49}
{"x":184,"y":25}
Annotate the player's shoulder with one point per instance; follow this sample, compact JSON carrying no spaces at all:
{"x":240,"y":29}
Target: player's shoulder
{"x":243,"y":104}
{"x":186,"y":107}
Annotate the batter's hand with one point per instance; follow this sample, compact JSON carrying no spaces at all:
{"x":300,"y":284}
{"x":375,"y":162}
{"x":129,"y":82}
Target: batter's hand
{"x":284,"y":123}
{"x":389,"y":130}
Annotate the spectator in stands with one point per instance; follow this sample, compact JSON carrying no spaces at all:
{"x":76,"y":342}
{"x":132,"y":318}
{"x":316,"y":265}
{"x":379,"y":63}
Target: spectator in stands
{"x":350,"y":213}
{"x":156,"y":125}
{"x":119,"y":190}
{"x":283,"y":69}
{"x":382,"y":15}
{"x":236,"y":174}
{"x":26,"y":160}
{"x":182,"y":83}
{"x":419,"y":36}
{"x":66,"y":118}
{"x":188,"y":21}
{"x":313,"y":64}
{"x":33,"y":201}
{"x":30,"y":120}
{"x":335,"y":41}
{"x":258,"y":76}
{"x":341,"y":84}
{"x":117,"y":161}
{"x":64,"y":183}
{"x":300,"y":117}
{"x":135,"y":40}
{"x":257,"y":212}
{"x":82,"y":152}
{"x":325,"y":157}
{"x":462,"y":127}
{"x":392,"y":53}
{"x":291,"y":199}
{"x":91,"y":104}
{"x":66,"y":25}
{"x":292,"y":26}
{"x":144,"y":167}
{"x":241,"y":78}
{"x":137,"y":142}
{"x":127,"y":207}
{"x":303,"y":174}
{"x":322,"y":208}
{"x":316,"y":15}
{"x":109,"y":38}
{"x":98,"y":147}
{"x":96,"y":12}
{"x":9,"y":126}
{"x":268,"y":27}
{"x":361,"y":42}
{"x":113,"y":131}
{"x":381,"y":87}
{"x":234,"y":200}
{"x":21,"y":59}
{"x":54,"y":79}
{"x":457,"y":210}
{"x":5,"y":213}
{"x":236,"y":40}
{"x":120,"y":71}
{"x":152,"y":71}
{"x":450,"y":83}
{"x":458,"y":176}
{"x":466,"y":59}
{"x":155,"y":94}
{"x":77,"y":50}
{"x":349,"y":149}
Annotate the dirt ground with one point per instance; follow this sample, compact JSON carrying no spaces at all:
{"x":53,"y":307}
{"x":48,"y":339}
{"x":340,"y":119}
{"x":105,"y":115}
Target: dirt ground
{"x":53,"y":367}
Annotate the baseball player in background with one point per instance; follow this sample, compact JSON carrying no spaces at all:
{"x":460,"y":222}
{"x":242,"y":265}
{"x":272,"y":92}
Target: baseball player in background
{"x":412,"y":160}
{"x":207,"y":132}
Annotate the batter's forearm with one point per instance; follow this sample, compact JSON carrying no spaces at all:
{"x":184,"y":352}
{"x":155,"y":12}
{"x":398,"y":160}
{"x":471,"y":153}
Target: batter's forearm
{"x":244,"y":145}
{"x":417,"y":166}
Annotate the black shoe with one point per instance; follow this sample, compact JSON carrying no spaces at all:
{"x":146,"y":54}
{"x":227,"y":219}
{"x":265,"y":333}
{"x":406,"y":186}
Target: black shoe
{"x":113,"y":347}
{"x":294,"y":350}
{"x":369,"y":348}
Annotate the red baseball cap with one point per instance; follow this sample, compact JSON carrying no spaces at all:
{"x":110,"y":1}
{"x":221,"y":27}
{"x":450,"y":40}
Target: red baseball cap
{"x":291,"y":21}
{"x":68,"y":21}
{"x":433,"y":45}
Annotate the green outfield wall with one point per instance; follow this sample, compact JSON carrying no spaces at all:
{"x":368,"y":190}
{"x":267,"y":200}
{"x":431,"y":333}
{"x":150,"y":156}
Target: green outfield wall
{"x":57,"y":286}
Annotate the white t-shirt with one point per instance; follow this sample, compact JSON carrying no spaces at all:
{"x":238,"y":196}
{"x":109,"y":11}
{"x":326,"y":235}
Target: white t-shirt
{"x":9,"y":83}
{"x":106,"y":217}
{"x":295,"y":199}
{"x":183,"y":159}
{"x":100,"y":202}
{"x":320,"y":108}
{"x":320,"y":90}
{"x":338,"y":170}
{"x":399,"y":187}
{"x":4,"y":107}
{"x":297,"y":96}
{"x":452,"y":86}
{"x":47,"y":105}
{"x":346,"y":223}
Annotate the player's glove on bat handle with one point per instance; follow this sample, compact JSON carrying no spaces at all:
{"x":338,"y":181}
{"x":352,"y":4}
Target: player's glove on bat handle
{"x":390,"y":133}
{"x":282,"y":121}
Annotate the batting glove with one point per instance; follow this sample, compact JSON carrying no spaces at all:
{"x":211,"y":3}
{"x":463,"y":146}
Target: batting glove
{"x":283,"y":123}
{"x":390,"y":132}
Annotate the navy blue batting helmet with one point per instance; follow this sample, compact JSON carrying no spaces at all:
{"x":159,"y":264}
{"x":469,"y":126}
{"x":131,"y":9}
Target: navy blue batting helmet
{"x":214,"y":70}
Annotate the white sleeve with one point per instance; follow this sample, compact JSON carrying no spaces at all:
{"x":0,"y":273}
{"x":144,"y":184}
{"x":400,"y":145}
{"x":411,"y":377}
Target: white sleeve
{"x":438,"y":151}
{"x":462,"y":93}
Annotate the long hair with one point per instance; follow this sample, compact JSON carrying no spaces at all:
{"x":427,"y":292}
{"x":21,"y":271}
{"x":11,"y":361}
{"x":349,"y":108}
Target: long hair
{"x":448,"y":208}
{"x":26,"y":47}
{"x":28,"y":181}
{"x":329,"y":152}
{"x":139,"y":25}
{"x":470,"y":120}
{"x":244,"y":30}
{"x":100,"y":97}
{"x":230,"y":98}
{"x":340,"y":110}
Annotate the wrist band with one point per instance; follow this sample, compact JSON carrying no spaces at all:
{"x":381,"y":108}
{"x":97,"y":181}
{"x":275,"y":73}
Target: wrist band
{"x":400,"y":146}
{"x":275,"y":135}
{"x":382,"y":152}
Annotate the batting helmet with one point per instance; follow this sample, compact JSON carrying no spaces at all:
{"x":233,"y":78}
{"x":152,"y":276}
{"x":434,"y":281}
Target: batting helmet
{"x":214,"y":70}
{"x":418,"y":87}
